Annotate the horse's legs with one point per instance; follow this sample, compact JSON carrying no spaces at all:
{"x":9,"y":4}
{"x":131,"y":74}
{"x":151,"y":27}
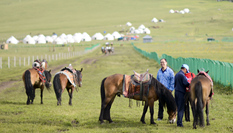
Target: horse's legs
{"x":105,"y":110}
{"x":28,"y":100}
{"x":195,"y":116}
{"x":144,"y":113}
{"x":33,"y":96}
{"x":151,"y":105}
{"x":41,"y":94}
{"x":207,"y":114}
{"x":70,"y":95}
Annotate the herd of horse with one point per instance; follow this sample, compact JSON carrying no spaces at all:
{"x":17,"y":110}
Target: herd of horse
{"x":141,"y":87}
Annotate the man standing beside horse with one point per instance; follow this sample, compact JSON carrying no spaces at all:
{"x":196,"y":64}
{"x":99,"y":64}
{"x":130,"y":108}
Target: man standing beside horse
{"x":165,"y":76}
{"x":180,"y":85}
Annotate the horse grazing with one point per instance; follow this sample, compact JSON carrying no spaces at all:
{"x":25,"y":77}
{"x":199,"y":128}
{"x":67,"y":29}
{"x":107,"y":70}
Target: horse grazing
{"x":201,"y":93}
{"x":33,"y":79}
{"x":69,"y":79}
{"x":149,"y":91}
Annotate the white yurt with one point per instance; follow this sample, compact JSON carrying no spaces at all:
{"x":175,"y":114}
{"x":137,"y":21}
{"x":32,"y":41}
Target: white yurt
{"x":97,"y":36}
{"x":41,"y":40}
{"x":29,"y":40}
{"x":86,"y":37}
{"x":41,"y":36}
{"x":137,"y":31}
{"x":146,"y":31}
{"x":54,"y":37}
{"x":128,"y":24}
{"x":171,"y":11}
{"x":69,"y":38}
{"x":35,"y":37}
{"x":63,"y":35}
{"x":186,"y":10}
{"x":131,"y":28}
{"x":77,"y":37}
{"x":116,"y":35}
{"x":49,"y":39}
{"x":155,"y":20}
{"x":182,"y":12}
{"x":58,"y":40}
{"x":141,"y":27}
{"x":108,"y":37}
{"x":12,"y":40}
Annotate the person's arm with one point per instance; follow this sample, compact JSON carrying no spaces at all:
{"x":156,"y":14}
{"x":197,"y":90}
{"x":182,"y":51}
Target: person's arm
{"x":185,"y":81}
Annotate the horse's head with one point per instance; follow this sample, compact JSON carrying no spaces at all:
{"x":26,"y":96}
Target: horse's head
{"x":172,"y":116}
{"x":48,"y":77}
{"x":79,"y":77}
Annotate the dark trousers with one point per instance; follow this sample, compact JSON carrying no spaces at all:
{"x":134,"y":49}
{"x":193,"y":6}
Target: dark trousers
{"x":180,"y":101}
{"x":160,"y":113}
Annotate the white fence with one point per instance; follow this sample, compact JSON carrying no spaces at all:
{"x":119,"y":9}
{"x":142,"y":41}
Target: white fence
{"x":27,"y":61}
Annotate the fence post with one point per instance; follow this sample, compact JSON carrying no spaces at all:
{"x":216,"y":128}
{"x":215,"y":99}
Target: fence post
{"x":19,"y":61}
{"x":14,"y":61}
{"x":1,"y":62}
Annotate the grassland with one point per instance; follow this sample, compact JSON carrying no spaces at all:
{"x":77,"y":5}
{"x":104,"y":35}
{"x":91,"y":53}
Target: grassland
{"x":16,"y":116}
{"x":181,"y":35}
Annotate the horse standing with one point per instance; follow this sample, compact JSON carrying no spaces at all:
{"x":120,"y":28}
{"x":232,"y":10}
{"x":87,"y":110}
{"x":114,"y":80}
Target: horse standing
{"x":113,"y":85}
{"x":201,"y":93}
{"x":32,"y":80}
{"x":68,"y":79}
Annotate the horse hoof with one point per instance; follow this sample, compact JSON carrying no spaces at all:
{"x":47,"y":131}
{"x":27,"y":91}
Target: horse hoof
{"x":153,"y":123}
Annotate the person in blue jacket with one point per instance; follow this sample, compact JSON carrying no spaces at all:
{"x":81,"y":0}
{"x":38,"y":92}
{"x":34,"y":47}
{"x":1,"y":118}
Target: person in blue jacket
{"x":165,"y":76}
{"x":180,"y":85}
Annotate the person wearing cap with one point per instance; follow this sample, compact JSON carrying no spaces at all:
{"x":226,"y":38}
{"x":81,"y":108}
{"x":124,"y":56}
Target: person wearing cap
{"x":180,"y":85}
{"x":165,"y":76}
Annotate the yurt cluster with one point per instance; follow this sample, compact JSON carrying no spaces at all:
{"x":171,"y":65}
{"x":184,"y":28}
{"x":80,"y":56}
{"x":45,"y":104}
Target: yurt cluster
{"x":78,"y":37}
{"x":186,"y":10}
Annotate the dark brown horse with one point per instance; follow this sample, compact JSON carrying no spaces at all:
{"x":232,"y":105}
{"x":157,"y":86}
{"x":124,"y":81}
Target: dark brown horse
{"x":201,"y":92}
{"x":68,"y":80}
{"x":32,"y":81}
{"x":113,"y":85}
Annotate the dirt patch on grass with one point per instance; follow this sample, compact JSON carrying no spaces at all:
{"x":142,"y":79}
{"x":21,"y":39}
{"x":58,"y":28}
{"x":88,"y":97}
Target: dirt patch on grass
{"x":89,"y":61}
{"x":6,"y":84}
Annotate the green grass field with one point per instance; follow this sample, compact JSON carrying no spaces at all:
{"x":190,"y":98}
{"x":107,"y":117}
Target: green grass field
{"x":182,"y":35}
{"x":16,"y":116}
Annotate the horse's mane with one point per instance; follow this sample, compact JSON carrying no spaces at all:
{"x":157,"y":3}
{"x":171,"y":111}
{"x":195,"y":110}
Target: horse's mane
{"x":164,"y":95}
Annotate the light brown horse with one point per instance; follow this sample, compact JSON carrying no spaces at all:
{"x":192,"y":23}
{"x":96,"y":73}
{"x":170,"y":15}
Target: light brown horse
{"x":32,"y":81}
{"x":113,"y":85}
{"x":201,"y":92}
{"x":61,"y":81}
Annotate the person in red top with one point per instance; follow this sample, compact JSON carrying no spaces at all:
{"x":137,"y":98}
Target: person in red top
{"x":189,"y":77}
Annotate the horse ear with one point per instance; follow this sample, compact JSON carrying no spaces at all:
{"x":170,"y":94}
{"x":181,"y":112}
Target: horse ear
{"x":207,"y":71}
{"x":197,"y":70}
{"x":81,"y":70}
{"x":49,"y":71}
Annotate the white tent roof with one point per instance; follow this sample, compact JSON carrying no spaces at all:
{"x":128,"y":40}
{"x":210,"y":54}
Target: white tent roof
{"x":131,"y":28}
{"x":186,"y":10}
{"x":41,"y":36}
{"x":97,"y":36}
{"x":116,"y":35}
{"x":128,"y":24}
{"x":108,"y":37}
{"x":182,"y":12}
{"x":141,"y":27}
{"x":54,"y":37}
{"x":63,"y":35}
{"x":147,"y":31}
{"x":12,"y":40}
{"x":29,"y":40}
{"x":35,"y":37}
{"x":49,"y":39}
{"x":41,"y":40}
{"x":155,"y":20}
{"x":171,"y":11}
{"x":58,"y":41}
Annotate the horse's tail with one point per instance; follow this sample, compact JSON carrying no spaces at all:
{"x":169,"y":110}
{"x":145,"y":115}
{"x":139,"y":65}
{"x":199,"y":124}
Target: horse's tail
{"x":165,"y":96}
{"x":57,"y":86}
{"x":28,"y":85}
{"x":199,"y":105}
{"x":102,"y":91}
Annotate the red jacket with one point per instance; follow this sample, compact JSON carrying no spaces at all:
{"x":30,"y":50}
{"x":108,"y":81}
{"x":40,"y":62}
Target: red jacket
{"x":189,"y":76}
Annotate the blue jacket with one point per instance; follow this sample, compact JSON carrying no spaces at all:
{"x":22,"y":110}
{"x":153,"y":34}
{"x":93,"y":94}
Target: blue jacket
{"x":181,"y":82}
{"x":166,"y":78}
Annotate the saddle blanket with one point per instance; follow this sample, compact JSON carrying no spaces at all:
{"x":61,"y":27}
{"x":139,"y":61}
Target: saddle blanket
{"x":69,"y":76}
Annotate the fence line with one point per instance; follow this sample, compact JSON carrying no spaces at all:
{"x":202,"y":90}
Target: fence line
{"x":54,"y":57}
{"x":221,"y":72}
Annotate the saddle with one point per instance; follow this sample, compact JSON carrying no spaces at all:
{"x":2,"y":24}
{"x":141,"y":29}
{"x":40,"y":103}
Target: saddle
{"x":70,"y":74}
{"x":139,"y":84}
{"x":40,"y":71}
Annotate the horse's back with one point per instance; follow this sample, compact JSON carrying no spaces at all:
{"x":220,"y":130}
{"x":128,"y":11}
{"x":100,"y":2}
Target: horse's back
{"x":33,"y":74}
{"x":113,"y":83}
{"x":205,"y":84}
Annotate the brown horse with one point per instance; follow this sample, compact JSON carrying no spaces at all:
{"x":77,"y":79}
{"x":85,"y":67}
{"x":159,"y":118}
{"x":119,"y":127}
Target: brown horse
{"x":113,"y":85}
{"x":62,"y":80}
{"x":32,"y":81}
{"x":201,"y":92}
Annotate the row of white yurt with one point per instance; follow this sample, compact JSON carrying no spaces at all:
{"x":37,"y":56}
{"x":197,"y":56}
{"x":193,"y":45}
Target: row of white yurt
{"x":186,"y":10}
{"x":141,"y":30}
